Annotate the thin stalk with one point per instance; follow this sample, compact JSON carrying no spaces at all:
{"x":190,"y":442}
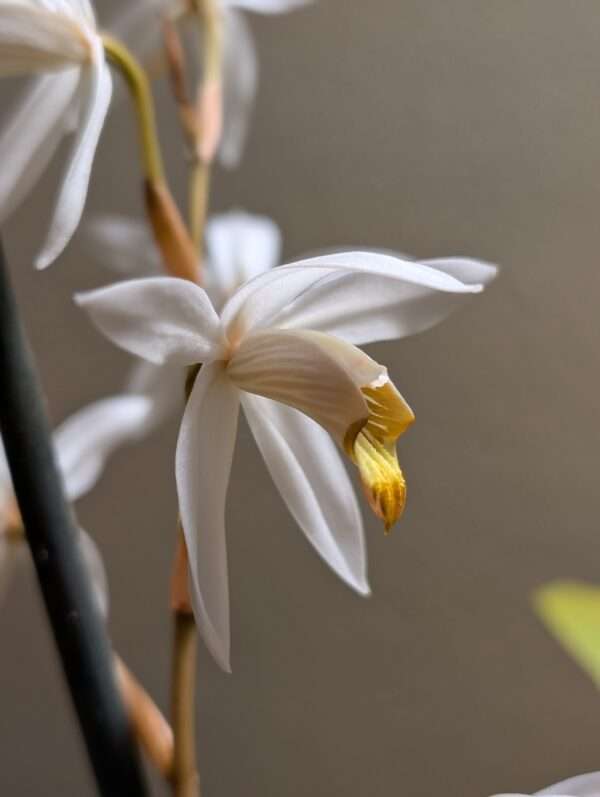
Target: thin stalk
{"x":199,"y":184}
{"x":170,"y":233}
{"x":139,"y":87}
{"x":185,"y":778}
{"x":151,"y":728}
{"x":51,"y":534}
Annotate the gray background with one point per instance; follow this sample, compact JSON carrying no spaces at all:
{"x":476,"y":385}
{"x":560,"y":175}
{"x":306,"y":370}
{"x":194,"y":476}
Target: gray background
{"x":436,"y":128}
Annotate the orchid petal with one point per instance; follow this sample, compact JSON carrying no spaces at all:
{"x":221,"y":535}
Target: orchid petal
{"x":315,"y":373}
{"x":240,"y":80}
{"x":32,"y":136}
{"x":123,"y":244}
{"x":203,"y":463}
{"x":309,"y":474}
{"x":371,"y":286}
{"x":580,"y":786}
{"x":162,"y":319}
{"x":34,"y":39}
{"x":240,"y":246}
{"x":267,"y":6}
{"x":87,"y":438}
{"x":73,"y":191}
{"x":96,"y":572}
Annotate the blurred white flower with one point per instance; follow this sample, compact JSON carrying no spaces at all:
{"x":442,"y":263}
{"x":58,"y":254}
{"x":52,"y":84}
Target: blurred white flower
{"x":580,"y":786}
{"x":82,"y":444}
{"x":57,"y":40}
{"x":282,"y":347}
{"x":139,"y":25}
{"x":239,"y":246}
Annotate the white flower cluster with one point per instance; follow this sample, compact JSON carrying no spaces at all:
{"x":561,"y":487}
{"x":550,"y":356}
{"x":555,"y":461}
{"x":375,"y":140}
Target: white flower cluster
{"x":279,"y":342}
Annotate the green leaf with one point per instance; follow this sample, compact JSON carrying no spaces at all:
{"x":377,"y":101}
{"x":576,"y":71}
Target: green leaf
{"x":571,"y":612}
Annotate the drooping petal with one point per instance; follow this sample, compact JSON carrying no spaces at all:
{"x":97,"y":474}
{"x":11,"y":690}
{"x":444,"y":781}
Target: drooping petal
{"x":37,"y":39}
{"x":309,"y":474}
{"x":360,"y":296}
{"x":203,"y":463}
{"x":162,"y":319}
{"x":96,"y":572}
{"x":240,"y":246}
{"x":87,"y":438}
{"x":579,"y":786}
{"x":240,"y":80}
{"x":267,"y":6}
{"x":32,"y":135}
{"x":123,"y":244}
{"x":312,"y":372}
{"x":95,"y":91}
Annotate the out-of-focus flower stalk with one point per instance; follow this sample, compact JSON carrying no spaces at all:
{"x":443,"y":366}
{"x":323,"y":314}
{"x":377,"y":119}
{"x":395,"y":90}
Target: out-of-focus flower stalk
{"x":201,"y":122}
{"x":209,"y":114}
{"x":151,"y":728}
{"x":169,"y":230}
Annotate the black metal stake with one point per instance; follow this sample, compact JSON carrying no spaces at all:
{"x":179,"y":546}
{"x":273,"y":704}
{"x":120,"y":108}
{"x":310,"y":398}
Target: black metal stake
{"x":50,"y":529}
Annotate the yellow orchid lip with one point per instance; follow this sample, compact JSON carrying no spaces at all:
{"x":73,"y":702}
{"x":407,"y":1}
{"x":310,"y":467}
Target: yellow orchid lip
{"x":371,"y":447}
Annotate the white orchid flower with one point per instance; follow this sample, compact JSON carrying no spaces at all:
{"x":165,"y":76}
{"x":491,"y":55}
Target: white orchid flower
{"x":239,"y":246}
{"x":56,"y":40}
{"x":139,"y":25}
{"x":580,"y":786}
{"x":82,"y":445}
{"x":283,"y":348}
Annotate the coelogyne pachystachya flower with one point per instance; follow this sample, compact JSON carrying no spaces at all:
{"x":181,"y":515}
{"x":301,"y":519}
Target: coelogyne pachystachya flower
{"x":82,"y":444}
{"x":57,"y":41}
{"x":580,"y":786}
{"x":283,"y":347}
{"x":139,"y":25}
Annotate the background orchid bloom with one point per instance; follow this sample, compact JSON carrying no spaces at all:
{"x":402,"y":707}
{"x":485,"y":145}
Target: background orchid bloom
{"x":58,"y":41}
{"x":282,"y":347}
{"x":139,"y":25}
{"x":580,"y":786}
{"x":239,"y":246}
{"x":82,"y":445}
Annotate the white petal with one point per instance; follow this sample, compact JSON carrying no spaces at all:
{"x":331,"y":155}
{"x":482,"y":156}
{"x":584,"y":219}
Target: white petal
{"x":162,"y":319}
{"x":96,"y":571}
{"x":580,"y":786}
{"x":33,"y":134}
{"x":73,"y":192}
{"x":87,"y":438}
{"x":203,"y":463}
{"x":360,"y":296}
{"x":35,"y":39}
{"x":240,"y":79}
{"x":267,"y":6}
{"x":315,"y":373}
{"x":309,"y":474}
{"x":465,"y":269}
{"x":240,"y":246}
{"x":123,"y":244}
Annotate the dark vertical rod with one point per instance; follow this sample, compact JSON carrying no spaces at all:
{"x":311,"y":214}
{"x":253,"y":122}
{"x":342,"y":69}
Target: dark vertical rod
{"x":50,"y":530}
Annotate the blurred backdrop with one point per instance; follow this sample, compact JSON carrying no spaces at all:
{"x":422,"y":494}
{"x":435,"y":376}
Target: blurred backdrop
{"x":434,"y":128}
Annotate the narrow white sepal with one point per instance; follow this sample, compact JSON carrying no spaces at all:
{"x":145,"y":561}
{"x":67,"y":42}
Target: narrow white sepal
{"x":308,"y":472}
{"x":203,"y":464}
